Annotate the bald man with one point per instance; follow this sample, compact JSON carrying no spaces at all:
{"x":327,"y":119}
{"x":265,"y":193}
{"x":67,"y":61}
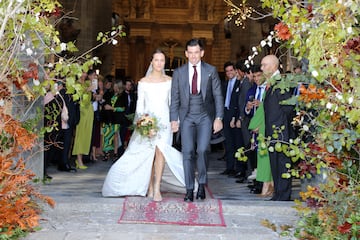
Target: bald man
{"x":277,"y":115}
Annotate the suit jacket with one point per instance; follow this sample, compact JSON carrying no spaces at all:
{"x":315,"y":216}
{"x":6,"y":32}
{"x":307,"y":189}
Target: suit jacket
{"x":210,"y":90}
{"x":278,"y":114}
{"x":244,"y":87}
{"x":233,"y":110}
{"x":250,"y":92}
{"x":129,"y":108}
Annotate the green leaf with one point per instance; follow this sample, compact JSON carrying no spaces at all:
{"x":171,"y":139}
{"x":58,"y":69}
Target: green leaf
{"x":329,"y":148}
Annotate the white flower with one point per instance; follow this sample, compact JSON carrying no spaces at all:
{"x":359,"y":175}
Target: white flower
{"x":349,"y":30}
{"x":272,"y":33}
{"x":63,"y":46}
{"x":339,"y":96}
{"x":256,"y":53}
{"x":269,"y":38}
{"x":254,"y":49}
{"x":351,"y":99}
{"x":333,"y":60}
{"x":314,"y":73}
{"x":246,"y":62}
{"x":95,"y":58}
{"x":50,"y":65}
{"x":306,"y":128}
{"x":114,"y":42}
{"x":329,"y":105}
{"x":262,"y":43}
{"x":113,"y":33}
{"x":36,"y":82}
{"x":270,"y":44}
{"x":29,"y":51}
{"x":2,"y":102}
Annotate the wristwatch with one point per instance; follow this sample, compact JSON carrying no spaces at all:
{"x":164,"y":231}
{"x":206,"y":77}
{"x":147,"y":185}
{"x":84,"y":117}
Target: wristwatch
{"x":219,"y":118}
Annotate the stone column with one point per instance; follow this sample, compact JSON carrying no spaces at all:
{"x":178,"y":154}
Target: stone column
{"x":132,"y":58}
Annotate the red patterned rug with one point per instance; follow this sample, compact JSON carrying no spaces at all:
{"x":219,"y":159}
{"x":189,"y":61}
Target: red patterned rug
{"x":172,"y":211}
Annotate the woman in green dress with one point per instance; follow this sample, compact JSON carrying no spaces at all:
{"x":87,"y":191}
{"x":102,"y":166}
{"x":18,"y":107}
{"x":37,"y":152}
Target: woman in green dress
{"x":111,"y":129}
{"x":257,"y":125}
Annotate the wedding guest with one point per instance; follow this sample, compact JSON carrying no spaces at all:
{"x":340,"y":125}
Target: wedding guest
{"x":97,"y":96}
{"x":83,"y":132}
{"x":111,"y":133}
{"x":129,"y":100}
{"x":67,"y":127}
{"x":233,"y":138}
{"x":255,"y":108}
{"x":240,"y":122}
{"x":277,"y":115}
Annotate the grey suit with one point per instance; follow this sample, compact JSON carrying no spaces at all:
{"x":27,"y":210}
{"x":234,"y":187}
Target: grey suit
{"x":196,"y":128}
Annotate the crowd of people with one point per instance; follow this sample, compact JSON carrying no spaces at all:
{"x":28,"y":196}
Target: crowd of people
{"x":252,"y":111}
{"x":193,"y":102}
{"x":97,"y":126}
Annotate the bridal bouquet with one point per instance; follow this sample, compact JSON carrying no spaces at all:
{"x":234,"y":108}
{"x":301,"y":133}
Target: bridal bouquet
{"x":147,"y":126}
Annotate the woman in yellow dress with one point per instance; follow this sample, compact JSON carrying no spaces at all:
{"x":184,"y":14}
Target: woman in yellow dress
{"x":82,"y":142}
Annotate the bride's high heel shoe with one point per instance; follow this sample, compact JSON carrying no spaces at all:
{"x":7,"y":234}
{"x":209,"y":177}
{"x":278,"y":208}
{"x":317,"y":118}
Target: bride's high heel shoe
{"x":80,"y":166}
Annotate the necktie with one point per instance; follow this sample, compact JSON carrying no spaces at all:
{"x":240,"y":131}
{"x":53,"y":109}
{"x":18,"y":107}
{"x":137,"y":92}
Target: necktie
{"x":228,"y":94}
{"x":259,"y":93}
{"x":194,"y":82}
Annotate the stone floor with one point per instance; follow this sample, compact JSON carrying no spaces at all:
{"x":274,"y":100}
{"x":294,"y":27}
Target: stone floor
{"x":82,"y":213}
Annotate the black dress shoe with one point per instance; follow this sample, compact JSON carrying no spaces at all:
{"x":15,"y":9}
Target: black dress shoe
{"x":255,"y":191}
{"x":232,"y":173}
{"x":201,"y":192}
{"x":47,"y":177}
{"x":66,"y":168}
{"x":226,"y":172}
{"x":239,"y":175}
{"x":240,"y":180}
{"x":189,"y":197}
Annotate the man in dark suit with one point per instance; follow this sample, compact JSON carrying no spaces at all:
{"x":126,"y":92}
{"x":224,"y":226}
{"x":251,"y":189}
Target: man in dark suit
{"x":277,"y":115}
{"x":232,"y":134}
{"x":241,"y":123}
{"x":197,"y":102}
{"x":67,"y":129}
{"x":129,"y":99}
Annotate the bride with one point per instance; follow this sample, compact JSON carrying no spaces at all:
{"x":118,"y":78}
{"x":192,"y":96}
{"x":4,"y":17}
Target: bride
{"x":140,"y":169}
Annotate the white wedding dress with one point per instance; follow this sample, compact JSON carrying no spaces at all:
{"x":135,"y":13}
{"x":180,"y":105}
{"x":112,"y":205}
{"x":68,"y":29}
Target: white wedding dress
{"x":130,"y":174}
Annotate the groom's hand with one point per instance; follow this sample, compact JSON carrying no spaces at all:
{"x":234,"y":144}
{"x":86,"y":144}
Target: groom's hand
{"x":218,"y":125}
{"x":174,"y":126}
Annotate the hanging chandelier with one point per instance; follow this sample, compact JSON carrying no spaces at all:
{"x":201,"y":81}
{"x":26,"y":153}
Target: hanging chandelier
{"x":241,"y":11}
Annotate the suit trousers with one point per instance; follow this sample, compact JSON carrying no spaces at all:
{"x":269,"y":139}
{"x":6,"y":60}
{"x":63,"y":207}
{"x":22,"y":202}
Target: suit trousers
{"x":282,"y":186}
{"x":196,"y":130}
{"x":233,"y":141}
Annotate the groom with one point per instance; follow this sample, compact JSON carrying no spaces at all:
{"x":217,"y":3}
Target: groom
{"x":197,"y":102}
